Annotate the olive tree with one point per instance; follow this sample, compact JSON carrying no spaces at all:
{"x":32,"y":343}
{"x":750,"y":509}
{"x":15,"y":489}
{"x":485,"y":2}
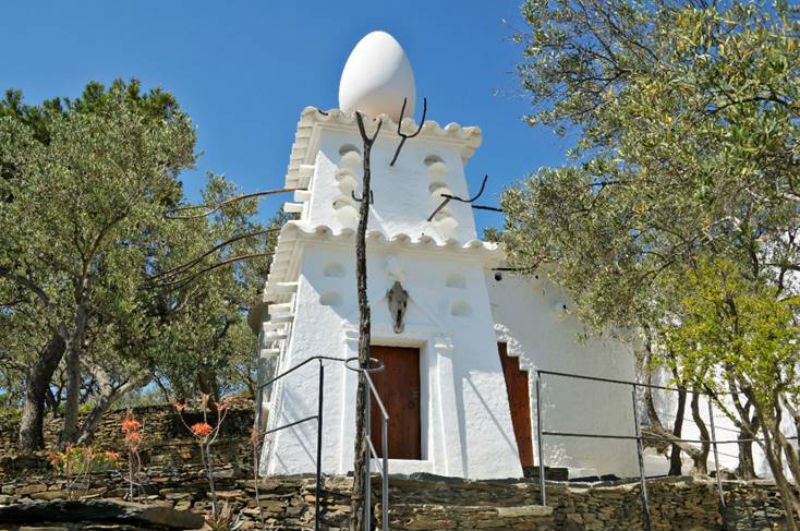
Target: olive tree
{"x":685,"y":116}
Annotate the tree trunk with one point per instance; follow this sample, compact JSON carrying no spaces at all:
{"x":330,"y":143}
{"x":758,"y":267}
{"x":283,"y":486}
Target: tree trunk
{"x":31,"y":436}
{"x":108,"y":396}
{"x":69,"y":431}
{"x":360,"y":482}
{"x":748,"y":428}
{"x":656,"y":432}
{"x":797,"y":433}
{"x":746,"y":467}
{"x":207,"y":384}
{"x":86,"y":434}
{"x":50,"y":401}
{"x":701,"y":458}
{"x":675,"y":461}
{"x":772,"y":451}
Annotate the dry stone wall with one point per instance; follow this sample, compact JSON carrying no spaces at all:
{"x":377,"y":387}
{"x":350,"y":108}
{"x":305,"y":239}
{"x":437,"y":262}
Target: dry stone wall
{"x":173,"y":479}
{"x":160,"y":425}
{"x":427,"y":503}
{"x":680,"y":504}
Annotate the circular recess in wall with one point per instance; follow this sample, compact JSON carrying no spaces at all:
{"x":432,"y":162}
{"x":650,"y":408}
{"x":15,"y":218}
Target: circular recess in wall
{"x":456,"y":280}
{"x":350,"y":155}
{"x":561,"y":308}
{"x":460,"y":309}
{"x":333,"y":270}
{"x":330,"y":298}
{"x":445,"y":222}
{"x":349,"y":148}
{"x":346,"y":180}
{"x":347,"y":216}
{"x":435,"y":164}
{"x":432,"y":159}
{"x":346,"y":212}
{"x":438,"y":188}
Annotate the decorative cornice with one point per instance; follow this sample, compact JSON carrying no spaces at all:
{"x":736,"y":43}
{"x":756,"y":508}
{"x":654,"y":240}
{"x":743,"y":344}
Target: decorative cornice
{"x":285,"y":262}
{"x":312,"y":119}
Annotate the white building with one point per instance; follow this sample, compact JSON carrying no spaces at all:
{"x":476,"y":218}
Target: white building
{"x":444,"y":382}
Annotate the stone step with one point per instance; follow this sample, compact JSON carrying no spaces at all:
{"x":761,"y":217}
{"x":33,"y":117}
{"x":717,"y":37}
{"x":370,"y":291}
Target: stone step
{"x":102,"y":512}
{"x":428,"y":517}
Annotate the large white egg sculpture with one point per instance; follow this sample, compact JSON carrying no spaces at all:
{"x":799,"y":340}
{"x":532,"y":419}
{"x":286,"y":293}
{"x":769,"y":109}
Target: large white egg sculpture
{"x":377,"y":77}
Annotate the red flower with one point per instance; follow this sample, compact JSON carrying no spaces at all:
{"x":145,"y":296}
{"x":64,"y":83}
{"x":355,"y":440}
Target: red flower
{"x":134,"y":437}
{"x":131,"y":425}
{"x":112,"y":456}
{"x":202,"y":429}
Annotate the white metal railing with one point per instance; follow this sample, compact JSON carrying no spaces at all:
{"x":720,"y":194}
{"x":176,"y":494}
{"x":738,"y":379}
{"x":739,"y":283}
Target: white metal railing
{"x":384,"y":470}
{"x":370,"y":391}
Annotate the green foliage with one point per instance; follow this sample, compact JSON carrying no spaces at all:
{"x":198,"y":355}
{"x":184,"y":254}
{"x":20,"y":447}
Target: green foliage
{"x":88,"y":253}
{"x":86,"y":184}
{"x":207,"y":345}
{"x":679,"y":213}
{"x":79,"y":461}
{"x":688,"y":140}
{"x":733,"y":327}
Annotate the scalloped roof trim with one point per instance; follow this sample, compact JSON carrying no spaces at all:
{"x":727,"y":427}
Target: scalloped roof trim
{"x":469,"y":136}
{"x":325,"y":232}
{"x":452,"y":129}
{"x":284,"y":265}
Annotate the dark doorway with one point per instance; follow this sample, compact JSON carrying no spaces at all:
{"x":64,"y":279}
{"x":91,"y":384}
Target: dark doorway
{"x":520,"y":404}
{"x":398,"y":385}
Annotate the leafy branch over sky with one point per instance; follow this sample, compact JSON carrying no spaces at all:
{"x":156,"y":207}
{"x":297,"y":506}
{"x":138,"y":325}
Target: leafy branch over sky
{"x":685,"y":170}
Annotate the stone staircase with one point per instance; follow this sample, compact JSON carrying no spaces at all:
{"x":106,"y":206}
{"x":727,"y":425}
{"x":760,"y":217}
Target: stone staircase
{"x":448,"y":503}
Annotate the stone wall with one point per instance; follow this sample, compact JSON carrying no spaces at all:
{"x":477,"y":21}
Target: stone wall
{"x":167,"y":441}
{"x":160,"y":424}
{"x":287,"y":504}
{"x":675,"y":504}
{"x":173,"y":478}
{"x":427,"y":503}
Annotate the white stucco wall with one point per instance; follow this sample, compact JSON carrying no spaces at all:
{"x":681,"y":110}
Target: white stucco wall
{"x":466,"y":426}
{"x":465,"y":420}
{"x":403,"y":194}
{"x":532,"y":316}
{"x":456,"y":315}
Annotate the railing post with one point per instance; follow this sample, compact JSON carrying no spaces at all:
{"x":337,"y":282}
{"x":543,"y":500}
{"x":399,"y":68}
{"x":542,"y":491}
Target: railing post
{"x":640,"y":453}
{"x":385,"y":476}
{"x":716,"y":453}
{"x":259,"y":407}
{"x":539,"y":445}
{"x":367,"y":468}
{"x":318,"y":489}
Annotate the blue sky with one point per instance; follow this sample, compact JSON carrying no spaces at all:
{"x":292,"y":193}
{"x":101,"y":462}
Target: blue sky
{"x":244,"y":70}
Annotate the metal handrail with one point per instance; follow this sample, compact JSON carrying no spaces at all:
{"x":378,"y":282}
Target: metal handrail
{"x":377,"y":396}
{"x":622,"y":382}
{"x":370,"y":390}
{"x":302,"y":363}
{"x":540,"y":433}
{"x":318,"y":417}
{"x":384,"y":472}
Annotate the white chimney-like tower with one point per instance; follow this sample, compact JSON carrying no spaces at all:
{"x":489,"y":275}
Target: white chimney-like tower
{"x":443,"y":381}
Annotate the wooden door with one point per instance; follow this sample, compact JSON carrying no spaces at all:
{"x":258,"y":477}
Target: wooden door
{"x":519,"y":403}
{"x":398,"y":387}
